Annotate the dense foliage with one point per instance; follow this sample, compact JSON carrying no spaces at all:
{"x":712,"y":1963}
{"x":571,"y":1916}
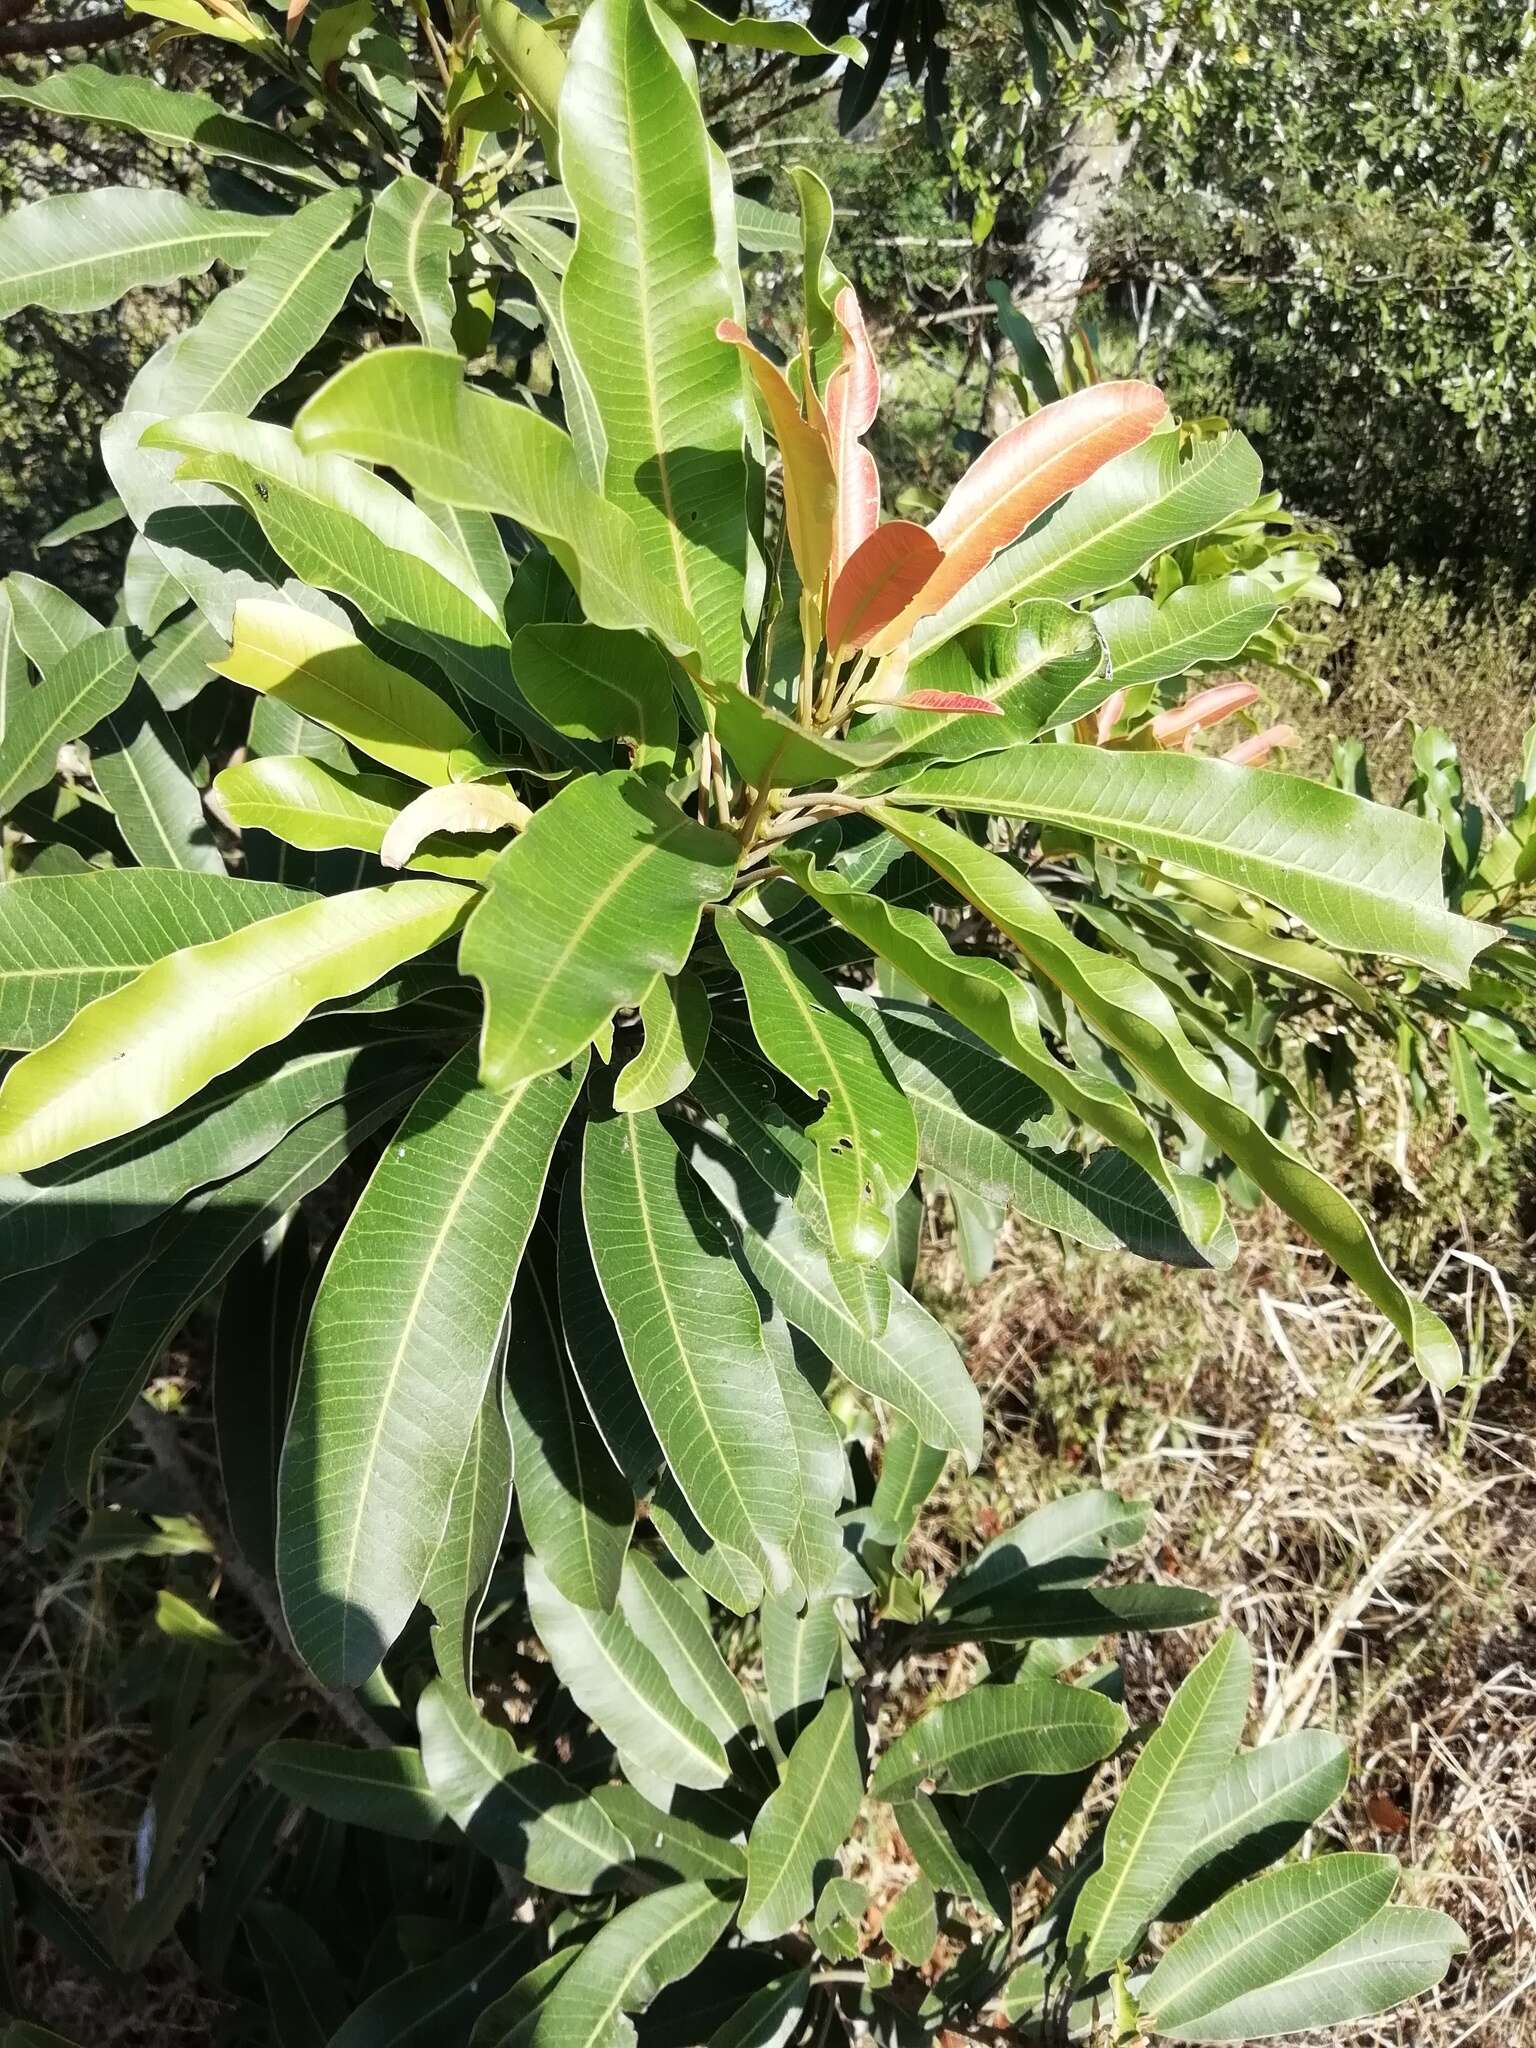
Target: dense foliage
{"x":537,"y":881}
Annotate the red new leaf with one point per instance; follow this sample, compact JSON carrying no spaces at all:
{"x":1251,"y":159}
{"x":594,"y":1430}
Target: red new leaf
{"x":947,"y":700}
{"x":880,"y":578}
{"x":853,"y":399}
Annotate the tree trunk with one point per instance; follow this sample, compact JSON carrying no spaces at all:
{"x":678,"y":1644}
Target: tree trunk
{"x":1087,"y":169}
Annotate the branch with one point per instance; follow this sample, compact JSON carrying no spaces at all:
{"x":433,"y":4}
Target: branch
{"x":159,"y":1434}
{"x":79,"y":32}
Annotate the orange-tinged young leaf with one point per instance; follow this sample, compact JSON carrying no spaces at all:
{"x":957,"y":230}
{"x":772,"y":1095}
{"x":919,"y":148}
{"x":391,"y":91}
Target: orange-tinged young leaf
{"x":1207,"y":707}
{"x":853,"y":399}
{"x":810,"y":485}
{"x":947,"y":700}
{"x":1020,"y":476}
{"x":1253,"y":753}
{"x":879,"y":580}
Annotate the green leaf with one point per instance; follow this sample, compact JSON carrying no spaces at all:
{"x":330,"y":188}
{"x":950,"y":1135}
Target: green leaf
{"x":595,"y":685}
{"x":95,"y":518}
{"x":804,"y":1824}
{"x":839,"y":1918}
{"x":85,"y":249}
{"x":911,"y":1922}
{"x":138,"y":1052}
{"x":47,"y":1215}
{"x":624,"y":1688}
{"x":603,"y":890}
{"x":399,"y":1348}
{"x":1143,"y":503}
{"x":175,"y":117}
{"x":340,"y":528}
{"x":1471,"y":1094}
{"x":385,"y":1789}
{"x":1037,"y":1727}
{"x":82,"y":686}
{"x":1042,"y":668}
{"x":499,"y":2022}
{"x":255,"y":1357}
{"x":65,"y":940}
{"x":628,"y":1963}
{"x":675,"y":1013}
{"x":773,"y":752}
{"x":47,"y":622}
{"x":666,"y":1621}
{"x":439,"y":2001}
{"x":643,"y":294}
{"x":909,"y":1471}
{"x":770,"y":2018}
{"x":1364,"y":876}
{"x":139,"y":767}
{"x":410,"y":408}
{"x":1160,"y":1808}
{"x":972,"y":1111}
{"x":478,"y":1508}
{"x":1024,"y":1614}
{"x":576,"y":1506}
{"x":667,"y":1845}
{"x":411,"y":242}
{"x":950,"y":1856}
{"x":693,"y":1339}
{"x":1262,"y":1805}
{"x":323,"y":673}
{"x":1195,"y":625}
{"x":912,"y":1363}
{"x":1067,"y":1542}
{"x":517,"y":1811}
{"x":1134,"y":1015}
{"x":865,"y":1136}
{"x":1312,"y":1945}
{"x":997,"y":1006}
{"x":248,"y":340}
{"x":725,"y":1575}
{"x":595,"y":1353}
{"x":801,"y":1654}
{"x":304,"y":803}
{"x":700,"y":25}
{"x":196,"y":1249}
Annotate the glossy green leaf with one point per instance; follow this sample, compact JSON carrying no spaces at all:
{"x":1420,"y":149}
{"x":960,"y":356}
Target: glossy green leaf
{"x":175,"y":117}
{"x":669,"y":1845}
{"x":1134,"y":1015}
{"x":595,"y":685}
{"x":971,"y":1110}
{"x":306,"y":804}
{"x":1043,"y":668}
{"x":642,"y":296}
{"x":770,"y":2018}
{"x":1161,"y":1805}
{"x":323,"y":673}
{"x":801,"y":1654}
{"x":865,"y":1136}
{"x":139,"y":767}
{"x":1312,"y":1945}
{"x":1261,"y":1806}
{"x":411,"y":409}
{"x":139,"y":1051}
{"x":804,"y":1824}
{"x":518,"y":1811}
{"x":675,"y":1014}
{"x":996,"y":1005}
{"x":576,"y":1506}
{"x":603,"y":891}
{"x":197,"y":1247}
{"x":82,"y":686}
{"x":47,"y":621}
{"x":1197,"y":624}
{"x":666,"y":1621}
{"x":1148,"y":500}
{"x":85,"y":249}
{"x":386,"y":1789}
{"x":693,"y":1339}
{"x":912,"y":1363}
{"x":772,"y":751}
{"x":596,"y":1354}
{"x":1364,"y":876}
{"x":724,"y":1574}
{"x":411,"y":242}
{"x":628,"y":1963}
{"x":622,"y":1686}
{"x":399,"y":1347}
{"x":1037,"y":1727}
{"x":478,"y":1508}
{"x":340,"y":528}
{"x":65,"y":940}
{"x":911,"y":1923}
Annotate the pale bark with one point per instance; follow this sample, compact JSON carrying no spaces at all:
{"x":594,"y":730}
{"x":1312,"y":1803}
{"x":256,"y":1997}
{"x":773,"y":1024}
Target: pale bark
{"x":1086,"y":170}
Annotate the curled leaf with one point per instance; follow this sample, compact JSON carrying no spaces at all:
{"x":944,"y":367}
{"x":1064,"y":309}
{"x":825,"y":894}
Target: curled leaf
{"x":853,"y":399}
{"x":451,"y":807}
